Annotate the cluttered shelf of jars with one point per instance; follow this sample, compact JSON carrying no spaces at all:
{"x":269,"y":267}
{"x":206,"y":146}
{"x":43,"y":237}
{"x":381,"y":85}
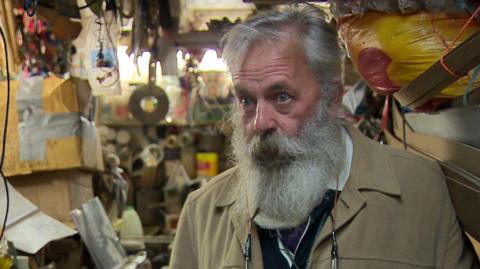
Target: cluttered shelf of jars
{"x":120,"y":123}
{"x":140,"y":143}
{"x":163,"y":158}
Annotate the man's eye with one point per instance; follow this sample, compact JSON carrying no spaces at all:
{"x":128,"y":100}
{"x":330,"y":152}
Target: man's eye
{"x":283,"y":97}
{"x":246,"y":101}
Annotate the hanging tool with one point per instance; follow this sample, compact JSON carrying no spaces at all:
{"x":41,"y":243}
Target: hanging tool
{"x":149,"y":103}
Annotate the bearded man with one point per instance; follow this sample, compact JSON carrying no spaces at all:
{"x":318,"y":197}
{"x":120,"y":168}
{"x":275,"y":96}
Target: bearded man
{"x":309,"y":191}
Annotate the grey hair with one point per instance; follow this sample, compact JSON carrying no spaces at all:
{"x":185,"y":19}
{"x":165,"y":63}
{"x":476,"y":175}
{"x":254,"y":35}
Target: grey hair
{"x":316,"y":37}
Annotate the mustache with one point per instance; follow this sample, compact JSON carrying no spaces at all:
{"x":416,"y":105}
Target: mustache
{"x":275,"y":150}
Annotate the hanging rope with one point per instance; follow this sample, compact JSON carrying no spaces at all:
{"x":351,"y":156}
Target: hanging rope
{"x":449,"y":48}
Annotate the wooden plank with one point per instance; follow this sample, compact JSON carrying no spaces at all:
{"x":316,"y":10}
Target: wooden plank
{"x":198,"y":39}
{"x":151,"y":239}
{"x":439,"y":148}
{"x":462,"y":59}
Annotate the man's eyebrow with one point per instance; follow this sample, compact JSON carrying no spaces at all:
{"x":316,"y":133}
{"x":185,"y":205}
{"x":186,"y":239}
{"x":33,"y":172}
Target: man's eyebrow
{"x":278,"y":86}
{"x":240,"y":90}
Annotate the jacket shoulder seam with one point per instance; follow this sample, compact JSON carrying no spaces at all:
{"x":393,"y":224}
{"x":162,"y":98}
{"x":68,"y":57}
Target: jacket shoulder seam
{"x":432,"y":166}
{"x":214,"y":183}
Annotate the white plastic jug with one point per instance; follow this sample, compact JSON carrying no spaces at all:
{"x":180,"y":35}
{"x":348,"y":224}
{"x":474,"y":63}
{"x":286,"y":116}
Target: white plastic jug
{"x":131,"y":224}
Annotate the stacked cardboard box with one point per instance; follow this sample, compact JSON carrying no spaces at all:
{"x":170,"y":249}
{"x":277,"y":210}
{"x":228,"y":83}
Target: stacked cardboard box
{"x":56,"y":193}
{"x":78,"y":147}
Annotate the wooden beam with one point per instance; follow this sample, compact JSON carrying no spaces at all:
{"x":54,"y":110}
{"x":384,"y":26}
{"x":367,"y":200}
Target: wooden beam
{"x":461,"y":60}
{"x":198,"y":39}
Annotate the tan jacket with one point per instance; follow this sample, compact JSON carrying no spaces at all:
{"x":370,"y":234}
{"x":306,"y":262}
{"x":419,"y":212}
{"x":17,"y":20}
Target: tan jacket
{"x":394,"y":213}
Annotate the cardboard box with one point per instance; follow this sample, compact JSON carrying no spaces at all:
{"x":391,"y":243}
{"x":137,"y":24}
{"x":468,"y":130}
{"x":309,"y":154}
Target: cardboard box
{"x":27,"y":226}
{"x":56,"y":193}
{"x":458,"y":124}
{"x":442,"y":149}
{"x":55,"y":137}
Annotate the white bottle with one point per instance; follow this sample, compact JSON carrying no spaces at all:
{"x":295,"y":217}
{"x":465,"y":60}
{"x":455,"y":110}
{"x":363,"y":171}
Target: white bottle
{"x":131,"y":224}
{"x":22,"y":262}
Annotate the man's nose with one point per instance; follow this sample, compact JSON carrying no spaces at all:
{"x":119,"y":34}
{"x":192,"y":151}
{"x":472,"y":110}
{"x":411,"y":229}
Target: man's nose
{"x":264,"y":118}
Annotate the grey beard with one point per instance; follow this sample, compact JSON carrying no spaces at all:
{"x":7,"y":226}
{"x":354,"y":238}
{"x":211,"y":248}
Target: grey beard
{"x":286,"y":177}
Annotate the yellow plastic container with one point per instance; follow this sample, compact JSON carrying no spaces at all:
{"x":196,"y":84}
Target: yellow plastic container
{"x":6,"y":262}
{"x":207,"y":164}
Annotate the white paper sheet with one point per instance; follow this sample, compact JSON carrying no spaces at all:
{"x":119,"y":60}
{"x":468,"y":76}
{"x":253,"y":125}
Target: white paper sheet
{"x":35,"y":231}
{"x":27,"y":227}
{"x":20,"y":207}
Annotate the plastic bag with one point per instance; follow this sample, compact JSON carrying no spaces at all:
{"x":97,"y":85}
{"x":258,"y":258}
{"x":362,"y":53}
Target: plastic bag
{"x":95,"y":58}
{"x":345,"y":8}
{"x":389,"y":51}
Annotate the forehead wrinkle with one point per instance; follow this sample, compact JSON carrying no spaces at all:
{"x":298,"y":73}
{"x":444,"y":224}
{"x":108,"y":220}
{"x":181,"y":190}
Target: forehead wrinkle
{"x":274,"y":61}
{"x":276,"y":65}
{"x":263,"y":71}
{"x":262,"y":75}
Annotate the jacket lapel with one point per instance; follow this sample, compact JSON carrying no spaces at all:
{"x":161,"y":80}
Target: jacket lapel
{"x":241,"y":224}
{"x":370,"y":170}
{"x":349,"y":204}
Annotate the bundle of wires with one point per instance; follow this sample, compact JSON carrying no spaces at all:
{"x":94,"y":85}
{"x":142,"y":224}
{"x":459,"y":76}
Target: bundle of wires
{"x":2,"y":156}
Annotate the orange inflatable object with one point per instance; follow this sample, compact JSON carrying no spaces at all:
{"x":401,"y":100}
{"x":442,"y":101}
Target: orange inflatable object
{"x":391,"y":50}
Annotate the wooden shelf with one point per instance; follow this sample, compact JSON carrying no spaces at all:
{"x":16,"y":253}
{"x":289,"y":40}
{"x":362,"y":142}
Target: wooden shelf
{"x":133,"y":123}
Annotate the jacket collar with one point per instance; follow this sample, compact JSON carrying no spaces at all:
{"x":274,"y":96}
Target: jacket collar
{"x":371,"y":167}
{"x":371,"y":170}
{"x":228,"y":195}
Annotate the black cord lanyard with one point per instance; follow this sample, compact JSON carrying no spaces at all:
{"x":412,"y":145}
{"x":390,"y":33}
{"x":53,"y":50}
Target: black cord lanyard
{"x":334,"y":245}
{"x":247,"y":252}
